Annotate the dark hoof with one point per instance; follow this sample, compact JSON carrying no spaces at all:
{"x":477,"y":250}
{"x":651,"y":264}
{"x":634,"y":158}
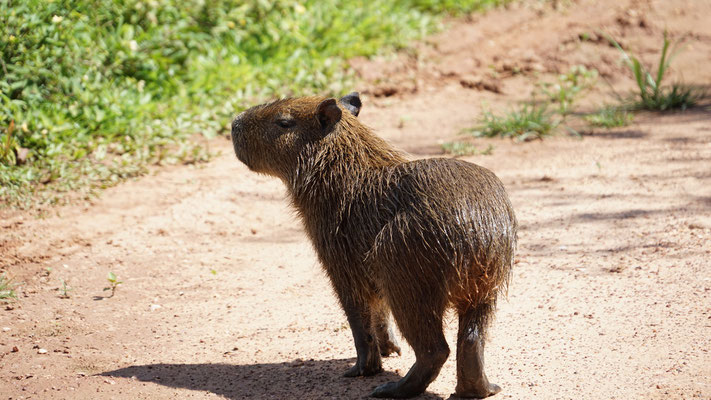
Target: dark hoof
{"x":479,"y":394}
{"x":388,"y":348}
{"x":358,"y":370}
{"x":393,"y":390}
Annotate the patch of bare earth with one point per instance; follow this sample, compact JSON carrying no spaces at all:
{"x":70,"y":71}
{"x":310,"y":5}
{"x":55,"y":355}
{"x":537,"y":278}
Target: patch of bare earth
{"x":222,"y":295}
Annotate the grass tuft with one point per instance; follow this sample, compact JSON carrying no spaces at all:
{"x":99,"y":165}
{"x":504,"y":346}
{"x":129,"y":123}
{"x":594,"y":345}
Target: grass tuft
{"x":460,"y":149}
{"x":652,"y":95}
{"x":526,"y":123}
{"x":610,"y":117}
{"x":7,"y":291}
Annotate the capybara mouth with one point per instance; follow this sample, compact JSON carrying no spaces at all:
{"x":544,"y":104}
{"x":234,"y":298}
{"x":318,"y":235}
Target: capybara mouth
{"x":241,"y":151}
{"x":239,"y":142}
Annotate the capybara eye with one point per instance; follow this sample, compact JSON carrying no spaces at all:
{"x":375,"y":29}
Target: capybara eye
{"x":285,"y":122}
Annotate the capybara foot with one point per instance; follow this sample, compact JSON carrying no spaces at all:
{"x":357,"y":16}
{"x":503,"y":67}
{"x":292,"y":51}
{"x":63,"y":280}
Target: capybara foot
{"x":359,"y":370}
{"x":478,"y":393}
{"x":389,"y":347}
{"x":395,"y":390}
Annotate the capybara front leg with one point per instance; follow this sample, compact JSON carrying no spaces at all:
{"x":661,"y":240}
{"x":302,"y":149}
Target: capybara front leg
{"x":369,"y":361}
{"x":471,"y":379}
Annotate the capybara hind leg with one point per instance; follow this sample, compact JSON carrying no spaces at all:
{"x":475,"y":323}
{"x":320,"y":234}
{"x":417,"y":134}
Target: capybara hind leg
{"x":424,"y":333}
{"x":383,"y":330}
{"x":426,"y":368}
{"x":471,"y":379}
{"x":369,"y":361}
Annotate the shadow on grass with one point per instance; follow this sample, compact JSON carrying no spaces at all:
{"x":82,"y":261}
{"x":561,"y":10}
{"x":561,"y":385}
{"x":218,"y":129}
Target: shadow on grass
{"x":319,"y":379}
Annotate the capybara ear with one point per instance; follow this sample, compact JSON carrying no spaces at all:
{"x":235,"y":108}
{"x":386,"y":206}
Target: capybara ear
{"x":328,"y":114}
{"x":352,"y":103}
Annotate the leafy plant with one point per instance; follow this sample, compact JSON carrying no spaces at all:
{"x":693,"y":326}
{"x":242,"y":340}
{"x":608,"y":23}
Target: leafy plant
{"x":113,"y":283}
{"x":8,"y":146}
{"x":609,"y":117}
{"x":652,"y":95}
{"x":7,"y":291}
{"x":568,"y":87}
{"x":526,"y":123}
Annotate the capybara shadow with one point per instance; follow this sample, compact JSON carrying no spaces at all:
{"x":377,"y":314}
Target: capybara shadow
{"x":319,"y":379}
{"x":411,"y":238}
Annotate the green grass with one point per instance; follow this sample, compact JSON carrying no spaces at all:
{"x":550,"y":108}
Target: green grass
{"x":94,"y":91}
{"x":652,"y":94}
{"x":528,"y":122}
{"x":609,"y":117}
{"x":536,"y":120}
{"x":460,"y":149}
{"x":455,"y":7}
{"x":7,"y":291}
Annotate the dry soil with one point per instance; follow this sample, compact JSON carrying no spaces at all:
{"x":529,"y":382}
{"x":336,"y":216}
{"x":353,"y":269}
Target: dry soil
{"x":222,"y":295}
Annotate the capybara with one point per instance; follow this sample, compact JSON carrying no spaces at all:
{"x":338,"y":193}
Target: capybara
{"x":408,"y":237}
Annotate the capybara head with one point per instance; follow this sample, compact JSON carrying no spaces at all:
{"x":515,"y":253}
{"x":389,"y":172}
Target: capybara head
{"x":269,"y":138}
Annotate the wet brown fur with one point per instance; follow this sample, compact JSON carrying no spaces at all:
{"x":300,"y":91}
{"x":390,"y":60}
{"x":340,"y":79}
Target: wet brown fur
{"x":415,"y":237}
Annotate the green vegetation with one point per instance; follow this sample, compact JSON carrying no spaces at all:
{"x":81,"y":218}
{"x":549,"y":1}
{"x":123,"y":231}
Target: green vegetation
{"x":652,"y":94}
{"x":7,"y":291}
{"x":568,"y":87}
{"x":609,"y":117}
{"x":64,"y":290}
{"x":455,"y":7}
{"x":528,"y":122}
{"x":536,"y":118}
{"x":113,"y":283}
{"x":94,"y":91}
{"x":460,"y":149}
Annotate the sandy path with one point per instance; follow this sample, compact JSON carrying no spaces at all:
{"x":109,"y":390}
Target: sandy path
{"x":223,"y":296}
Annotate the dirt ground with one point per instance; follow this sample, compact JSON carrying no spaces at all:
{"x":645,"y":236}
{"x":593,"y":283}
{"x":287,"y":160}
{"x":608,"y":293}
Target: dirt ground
{"x":222,"y":295}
